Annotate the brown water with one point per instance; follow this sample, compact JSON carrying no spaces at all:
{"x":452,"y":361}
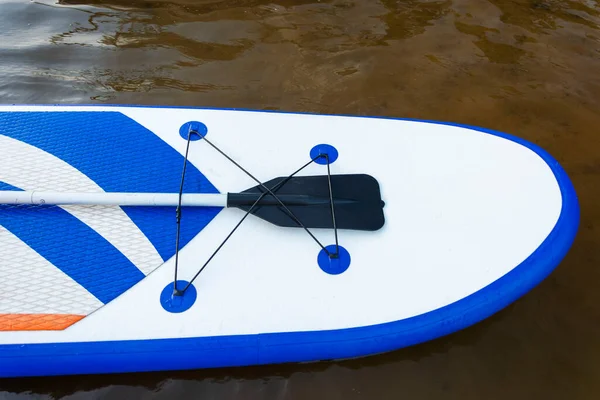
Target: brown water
{"x":528,"y":67}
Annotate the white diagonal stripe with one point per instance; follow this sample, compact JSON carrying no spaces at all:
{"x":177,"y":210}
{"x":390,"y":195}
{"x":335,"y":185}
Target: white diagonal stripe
{"x":30,"y":168}
{"x":30,"y":284}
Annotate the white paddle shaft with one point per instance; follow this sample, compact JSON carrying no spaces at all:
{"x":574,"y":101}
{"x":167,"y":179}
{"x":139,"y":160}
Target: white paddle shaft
{"x":116,"y":198}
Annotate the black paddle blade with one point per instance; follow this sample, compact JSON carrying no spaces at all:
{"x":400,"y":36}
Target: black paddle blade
{"x":356,"y":200}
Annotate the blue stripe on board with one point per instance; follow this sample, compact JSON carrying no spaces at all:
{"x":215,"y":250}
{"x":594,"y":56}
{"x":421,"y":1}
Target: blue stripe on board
{"x":71,"y":246}
{"x":119,"y":155}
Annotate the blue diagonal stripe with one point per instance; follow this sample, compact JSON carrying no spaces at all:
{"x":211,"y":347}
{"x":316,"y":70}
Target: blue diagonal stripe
{"x":71,"y":246}
{"x":119,"y":155}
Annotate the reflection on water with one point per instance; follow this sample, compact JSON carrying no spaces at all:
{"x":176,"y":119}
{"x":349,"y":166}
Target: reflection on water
{"x":529,"y":67}
{"x":538,"y":16}
{"x":409,"y":18}
{"x":303,"y":50}
{"x":495,"y":52}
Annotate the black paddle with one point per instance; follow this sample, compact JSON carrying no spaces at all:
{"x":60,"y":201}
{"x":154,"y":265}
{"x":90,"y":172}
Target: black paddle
{"x":356,"y":201}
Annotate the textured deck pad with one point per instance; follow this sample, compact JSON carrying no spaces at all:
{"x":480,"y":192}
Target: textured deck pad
{"x":62,"y":263}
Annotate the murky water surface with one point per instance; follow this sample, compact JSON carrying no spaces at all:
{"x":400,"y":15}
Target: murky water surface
{"x":529,"y":67}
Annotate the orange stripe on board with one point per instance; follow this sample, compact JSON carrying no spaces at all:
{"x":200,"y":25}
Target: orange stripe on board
{"x":37,"y":322}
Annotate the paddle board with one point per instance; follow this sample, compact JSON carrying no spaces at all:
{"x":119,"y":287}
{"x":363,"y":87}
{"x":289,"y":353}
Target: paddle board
{"x":470,"y":220}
